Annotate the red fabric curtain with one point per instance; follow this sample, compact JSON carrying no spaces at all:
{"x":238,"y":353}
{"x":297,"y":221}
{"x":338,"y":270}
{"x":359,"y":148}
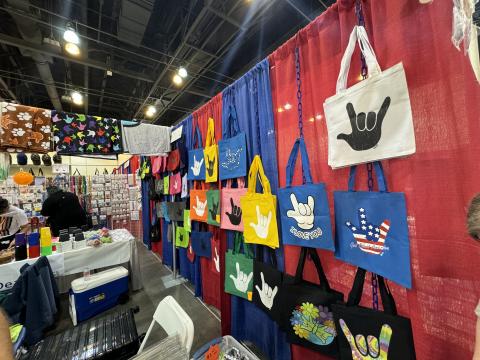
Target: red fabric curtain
{"x":212,"y":289}
{"x":439,"y":180}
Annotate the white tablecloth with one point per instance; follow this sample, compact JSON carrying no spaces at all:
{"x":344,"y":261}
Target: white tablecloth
{"x":122,"y":250}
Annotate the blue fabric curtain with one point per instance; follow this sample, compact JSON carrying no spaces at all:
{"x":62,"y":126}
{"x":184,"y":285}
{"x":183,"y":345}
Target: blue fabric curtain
{"x":145,"y":211}
{"x":252,"y":98}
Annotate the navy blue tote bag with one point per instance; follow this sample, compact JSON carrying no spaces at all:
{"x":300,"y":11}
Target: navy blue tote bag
{"x":371,"y":229}
{"x":232,"y":149}
{"x":202,"y":243}
{"x":304,"y":210}
{"x":196,"y":162}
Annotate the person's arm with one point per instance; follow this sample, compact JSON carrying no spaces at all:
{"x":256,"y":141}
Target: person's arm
{"x":6,"y":346}
{"x":476,"y":353}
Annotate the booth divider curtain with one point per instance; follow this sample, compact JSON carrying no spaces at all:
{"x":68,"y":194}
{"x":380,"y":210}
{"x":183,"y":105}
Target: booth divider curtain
{"x":188,"y":270}
{"x":211,"y":284}
{"x":145,"y":212}
{"x":251,"y":96}
{"x":439,"y":179}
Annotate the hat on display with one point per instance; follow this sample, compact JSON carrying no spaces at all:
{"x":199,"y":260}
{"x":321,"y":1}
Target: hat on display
{"x":35,"y":159}
{"x":22,"y":159}
{"x":57,"y":159}
{"x":47,"y":160}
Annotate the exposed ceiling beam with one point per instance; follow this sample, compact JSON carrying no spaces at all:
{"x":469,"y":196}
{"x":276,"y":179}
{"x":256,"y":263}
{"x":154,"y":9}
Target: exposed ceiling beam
{"x":226,"y":17}
{"x":7,"y":89}
{"x":298,"y":10}
{"x":27,"y":45}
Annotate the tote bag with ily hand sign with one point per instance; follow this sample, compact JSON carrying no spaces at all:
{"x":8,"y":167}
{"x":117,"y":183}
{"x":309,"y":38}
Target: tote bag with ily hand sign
{"x":196,"y":162}
{"x":371,"y":229}
{"x":231,"y":212}
{"x":365,"y":334}
{"x":239,"y":269}
{"x":305,"y":308}
{"x":198,"y":204}
{"x":211,"y":154}
{"x":259,"y":210}
{"x":371,"y":120}
{"x":304,"y":209}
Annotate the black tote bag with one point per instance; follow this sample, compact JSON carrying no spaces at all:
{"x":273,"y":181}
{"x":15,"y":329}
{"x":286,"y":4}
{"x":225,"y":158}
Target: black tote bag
{"x":175,"y":210}
{"x":306,"y":315}
{"x":365,"y":333}
{"x":267,"y":281}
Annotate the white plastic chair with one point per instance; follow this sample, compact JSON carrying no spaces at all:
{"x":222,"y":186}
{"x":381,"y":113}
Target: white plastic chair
{"x":174,"y":320}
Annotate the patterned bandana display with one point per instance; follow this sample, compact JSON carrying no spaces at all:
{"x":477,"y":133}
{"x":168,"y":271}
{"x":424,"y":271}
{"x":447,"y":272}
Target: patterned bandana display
{"x":25,"y":128}
{"x":86,"y":134}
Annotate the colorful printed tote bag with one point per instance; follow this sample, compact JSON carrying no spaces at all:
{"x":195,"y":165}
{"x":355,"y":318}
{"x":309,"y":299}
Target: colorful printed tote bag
{"x":239,"y":269}
{"x":196,"y":161}
{"x":211,"y":154}
{"x":231,"y":214}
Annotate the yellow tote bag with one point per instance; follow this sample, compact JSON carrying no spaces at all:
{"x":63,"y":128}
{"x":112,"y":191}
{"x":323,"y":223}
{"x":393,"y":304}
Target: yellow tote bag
{"x":259,"y":210}
{"x":210,"y":153}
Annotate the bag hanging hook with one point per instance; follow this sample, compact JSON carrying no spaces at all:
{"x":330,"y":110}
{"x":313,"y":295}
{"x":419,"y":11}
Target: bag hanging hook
{"x":299,"y":91}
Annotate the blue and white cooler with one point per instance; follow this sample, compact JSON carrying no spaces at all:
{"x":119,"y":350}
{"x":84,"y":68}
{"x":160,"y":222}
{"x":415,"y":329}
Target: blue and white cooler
{"x":101,"y":291}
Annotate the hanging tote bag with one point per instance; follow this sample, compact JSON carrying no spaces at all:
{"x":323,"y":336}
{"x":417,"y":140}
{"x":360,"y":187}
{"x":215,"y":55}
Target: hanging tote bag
{"x":196,"y":162}
{"x":202,"y":243}
{"x":213,"y":203}
{"x":239,"y":269}
{"x":371,"y":230}
{"x":211,"y":154}
{"x":259,"y":210}
{"x":306,"y":314}
{"x":173,"y":160}
{"x":175,"y":184}
{"x":232,"y":149}
{"x":175,"y":210}
{"x":198,"y":204}
{"x":304,"y":209}
{"x":184,"y":192}
{"x":181,"y":237}
{"x":389,"y":336}
{"x":371,"y":120}
{"x":166,"y":185}
{"x":187,"y":224}
{"x":267,"y":281}
{"x":231,"y":214}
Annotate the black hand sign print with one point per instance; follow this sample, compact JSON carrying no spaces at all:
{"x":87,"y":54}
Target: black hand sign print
{"x":366,"y":128}
{"x":235,"y":215}
{"x":214,"y":210}
{"x":180,"y":238}
{"x":210,"y":165}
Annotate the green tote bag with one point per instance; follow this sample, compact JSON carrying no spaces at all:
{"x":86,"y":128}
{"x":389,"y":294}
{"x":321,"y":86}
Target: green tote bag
{"x":181,"y":237}
{"x":239,"y":269}
{"x":213,"y":203}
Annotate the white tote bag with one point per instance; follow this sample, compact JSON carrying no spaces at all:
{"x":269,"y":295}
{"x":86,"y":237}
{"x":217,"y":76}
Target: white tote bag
{"x":371,"y":120}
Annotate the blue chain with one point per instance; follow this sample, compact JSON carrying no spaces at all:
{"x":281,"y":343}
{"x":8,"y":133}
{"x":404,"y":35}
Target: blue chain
{"x":299,"y":91}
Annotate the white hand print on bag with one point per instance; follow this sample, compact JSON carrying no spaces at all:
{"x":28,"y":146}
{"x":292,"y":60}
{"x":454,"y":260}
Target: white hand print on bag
{"x":262,"y":225}
{"x":197,"y":166}
{"x":200,"y":208}
{"x":216,"y":260}
{"x":242,"y":280}
{"x":267,"y":295}
{"x":302,"y":213}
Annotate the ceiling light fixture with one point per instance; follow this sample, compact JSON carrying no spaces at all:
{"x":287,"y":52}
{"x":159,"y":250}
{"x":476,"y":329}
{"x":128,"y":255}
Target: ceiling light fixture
{"x":70,"y":35}
{"x":177,"y":80}
{"x":72,"y":49}
{"x":77,"y":98}
{"x":151,"y":110}
{"x":182,"y":72}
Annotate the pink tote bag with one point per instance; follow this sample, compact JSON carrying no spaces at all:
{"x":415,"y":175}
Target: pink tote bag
{"x":175,"y":184}
{"x":231,"y":215}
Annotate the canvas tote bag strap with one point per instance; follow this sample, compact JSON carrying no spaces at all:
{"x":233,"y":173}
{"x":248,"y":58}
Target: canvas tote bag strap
{"x":256,"y":169}
{"x":382,"y":183}
{"x":318,"y":265}
{"x":355,"y":295}
{"x":197,"y":137}
{"x":358,"y":34}
{"x":232,"y":127}
{"x":238,"y":241}
{"x":307,"y":177}
{"x":273,"y":255}
{"x":210,"y":133}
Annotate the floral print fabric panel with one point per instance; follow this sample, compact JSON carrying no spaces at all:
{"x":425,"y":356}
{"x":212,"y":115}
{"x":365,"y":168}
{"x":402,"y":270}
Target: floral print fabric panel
{"x":85,"y":134}
{"x":25,"y":128}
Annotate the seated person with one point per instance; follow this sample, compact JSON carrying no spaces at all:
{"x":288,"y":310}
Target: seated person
{"x":63,"y":210}
{"x":12,"y":221}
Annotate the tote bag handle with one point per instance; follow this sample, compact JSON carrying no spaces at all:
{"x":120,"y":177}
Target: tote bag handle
{"x":210,"y":133}
{"x":273,"y":256}
{"x":358,"y":34}
{"x":318,"y":265}
{"x":382,"y":184}
{"x":256,"y":169}
{"x":197,"y":137}
{"x":355,"y":295}
{"x":240,"y":183}
{"x":307,"y":177}
{"x":238,"y":241}
{"x":232,"y":127}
